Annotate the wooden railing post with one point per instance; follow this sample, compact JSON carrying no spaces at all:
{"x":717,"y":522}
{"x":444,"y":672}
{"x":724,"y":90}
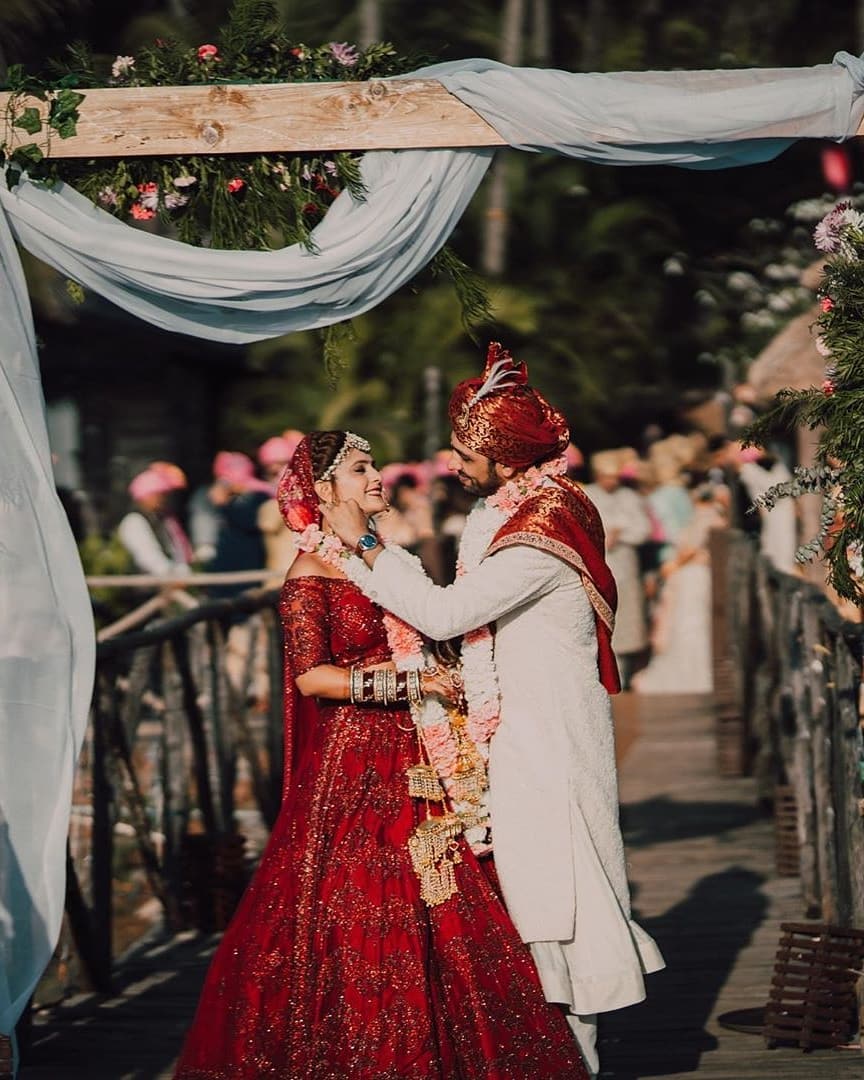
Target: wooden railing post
{"x":175,"y":772}
{"x":726,"y":628}
{"x":276,"y":711}
{"x":197,"y":737}
{"x":102,"y":863}
{"x":821,"y":750}
{"x":846,"y":785}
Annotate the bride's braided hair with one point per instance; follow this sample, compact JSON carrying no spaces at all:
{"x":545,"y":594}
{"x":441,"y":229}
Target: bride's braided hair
{"x":323,"y":449}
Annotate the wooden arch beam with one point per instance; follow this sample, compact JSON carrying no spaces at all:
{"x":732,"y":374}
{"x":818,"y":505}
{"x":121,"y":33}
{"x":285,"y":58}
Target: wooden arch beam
{"x":164,"y":121}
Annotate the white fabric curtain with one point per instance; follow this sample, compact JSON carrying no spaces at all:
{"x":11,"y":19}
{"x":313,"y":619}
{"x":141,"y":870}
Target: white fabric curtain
{"x":366,"y":250}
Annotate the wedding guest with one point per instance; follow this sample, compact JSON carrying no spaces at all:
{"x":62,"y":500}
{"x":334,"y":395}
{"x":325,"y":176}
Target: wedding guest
{"x":151,"y":532}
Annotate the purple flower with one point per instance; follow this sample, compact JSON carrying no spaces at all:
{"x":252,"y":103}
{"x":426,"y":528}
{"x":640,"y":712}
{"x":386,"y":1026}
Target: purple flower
{"x":343,"y":52}
{"x":107,"y":196}
{"x":330,"y":167}
{"x":830,"y":234}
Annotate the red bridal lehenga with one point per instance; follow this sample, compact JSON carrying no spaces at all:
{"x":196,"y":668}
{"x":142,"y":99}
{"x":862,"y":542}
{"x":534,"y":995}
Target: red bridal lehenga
{"x":333,"y":967}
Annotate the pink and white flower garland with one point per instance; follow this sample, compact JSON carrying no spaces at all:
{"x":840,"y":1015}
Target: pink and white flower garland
{"x":406,"y":647}
{"x":478,"y":646}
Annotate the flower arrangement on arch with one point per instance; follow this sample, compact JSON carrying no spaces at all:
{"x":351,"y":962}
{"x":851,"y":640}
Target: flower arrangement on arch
{"x":239,"y":201}
{"x":235,"y":201}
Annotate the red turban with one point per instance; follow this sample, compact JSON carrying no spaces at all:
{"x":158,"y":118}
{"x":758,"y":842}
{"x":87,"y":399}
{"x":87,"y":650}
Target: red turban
{"x":503,"y":418}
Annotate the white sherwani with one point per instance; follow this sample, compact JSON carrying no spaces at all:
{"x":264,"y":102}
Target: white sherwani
{"x":552,"y":778}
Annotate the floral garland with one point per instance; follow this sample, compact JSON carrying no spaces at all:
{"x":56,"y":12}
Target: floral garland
{"x":240,"y":202}
{"x":478,"y":646}
{"x":237,"y":201}
{"x":443,"y":731}
{"x":457,"y":746}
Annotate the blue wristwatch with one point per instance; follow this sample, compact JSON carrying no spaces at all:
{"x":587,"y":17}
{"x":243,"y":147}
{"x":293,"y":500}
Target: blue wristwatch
{"x":367,"y":542}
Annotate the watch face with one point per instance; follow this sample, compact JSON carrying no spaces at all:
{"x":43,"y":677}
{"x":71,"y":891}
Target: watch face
{"x":367,"y":542}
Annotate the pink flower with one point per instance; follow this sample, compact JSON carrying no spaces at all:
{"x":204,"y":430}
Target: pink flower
{"x":403,"y":639}
{"x":826,"y":303}
{"x":828,"y":387}
{"x":441,"y":748}
{"x":107,"y":196}
{"x":184,"y":181}
{"x":173,"y":201}
{"x":299,"y":52}
{"x":149,"y":197}
{"x":344,"y":53}
{"x":208,"y":52}
{"x":831,"y":234}
{"x":141,"y":213}
{"x":235,"y":185}
{"x":309,"y":537}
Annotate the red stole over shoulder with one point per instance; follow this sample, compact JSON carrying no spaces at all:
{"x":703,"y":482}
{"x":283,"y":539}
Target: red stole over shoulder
{"x":562,"y":520}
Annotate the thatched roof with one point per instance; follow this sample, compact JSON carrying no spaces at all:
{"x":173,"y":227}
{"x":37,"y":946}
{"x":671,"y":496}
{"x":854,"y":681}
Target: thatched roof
{"x":790,"y":359}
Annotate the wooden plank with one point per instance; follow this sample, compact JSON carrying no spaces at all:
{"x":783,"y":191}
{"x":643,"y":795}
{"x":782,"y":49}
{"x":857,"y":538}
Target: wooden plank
{"x":259,"y":118}
{"x":700,"y":859}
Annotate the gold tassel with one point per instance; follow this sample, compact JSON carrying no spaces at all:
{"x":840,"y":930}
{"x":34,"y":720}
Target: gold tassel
{"x":434,"y":853}
{"x":423,"y":783}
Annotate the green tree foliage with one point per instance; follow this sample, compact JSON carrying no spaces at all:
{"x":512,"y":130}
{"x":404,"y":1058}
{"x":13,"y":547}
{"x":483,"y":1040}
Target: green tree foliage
{"x":588,"y":299}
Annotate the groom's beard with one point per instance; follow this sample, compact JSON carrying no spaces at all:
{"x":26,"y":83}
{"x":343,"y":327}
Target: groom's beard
{"x":483,"y":487}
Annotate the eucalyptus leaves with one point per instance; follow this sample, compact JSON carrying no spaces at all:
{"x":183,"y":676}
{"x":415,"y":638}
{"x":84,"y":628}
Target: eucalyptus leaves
{"x":835,"y":407}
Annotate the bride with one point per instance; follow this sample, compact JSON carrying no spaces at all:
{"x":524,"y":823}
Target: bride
{"x":343,"y":960}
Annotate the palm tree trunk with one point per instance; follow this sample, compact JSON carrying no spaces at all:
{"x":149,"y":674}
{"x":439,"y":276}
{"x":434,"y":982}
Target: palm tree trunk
{"x":369,"y":17}
{"x":540,"y":33}
{"x":592,"y":35}
{"x":494,"y":254}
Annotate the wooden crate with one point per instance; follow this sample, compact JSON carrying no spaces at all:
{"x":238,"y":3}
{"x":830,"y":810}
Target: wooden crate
{"x":813,"y":999}
{"x":5,"y":1058}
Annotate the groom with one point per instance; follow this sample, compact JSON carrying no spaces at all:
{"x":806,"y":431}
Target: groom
{"x":533,"y":571}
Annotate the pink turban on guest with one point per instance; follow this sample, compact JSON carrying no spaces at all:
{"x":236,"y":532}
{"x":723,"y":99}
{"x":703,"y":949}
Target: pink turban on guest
{"x":150,"y":482}
{"x":750,"y":453}
{"x":173,"y":474}
{"x":279,"y":449}
{"x":503,"y":418}
{"x":239,"y":470}
{"x":575,"y":458}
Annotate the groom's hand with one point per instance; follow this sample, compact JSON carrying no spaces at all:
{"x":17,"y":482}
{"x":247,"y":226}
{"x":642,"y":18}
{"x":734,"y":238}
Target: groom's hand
{"x":347,"y":520}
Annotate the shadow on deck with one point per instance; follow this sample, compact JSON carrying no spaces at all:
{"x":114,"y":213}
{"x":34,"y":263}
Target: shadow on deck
{"x":701,"y":863}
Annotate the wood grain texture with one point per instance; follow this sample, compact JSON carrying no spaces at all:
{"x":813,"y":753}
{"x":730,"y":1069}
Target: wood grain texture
{"x":260,"y":118}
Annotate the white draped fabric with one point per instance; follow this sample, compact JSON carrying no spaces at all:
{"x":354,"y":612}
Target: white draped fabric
{"x":366,"y":250}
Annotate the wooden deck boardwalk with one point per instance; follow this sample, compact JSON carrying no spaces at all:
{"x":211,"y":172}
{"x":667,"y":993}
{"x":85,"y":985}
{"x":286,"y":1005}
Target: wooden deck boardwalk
{"x":701,"y":864}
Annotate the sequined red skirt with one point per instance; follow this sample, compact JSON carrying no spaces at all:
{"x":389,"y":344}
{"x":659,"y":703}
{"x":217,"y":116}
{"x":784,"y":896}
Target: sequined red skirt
{"x":333,"y":967}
